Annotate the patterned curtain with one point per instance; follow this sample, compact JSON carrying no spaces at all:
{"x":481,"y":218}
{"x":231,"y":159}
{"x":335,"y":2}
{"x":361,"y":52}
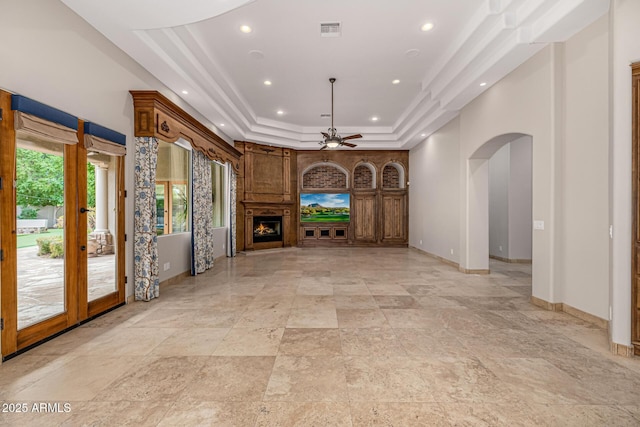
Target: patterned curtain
{"x":145,"y":244}
{"x":202,"y":230}
{"x":233,"y":183}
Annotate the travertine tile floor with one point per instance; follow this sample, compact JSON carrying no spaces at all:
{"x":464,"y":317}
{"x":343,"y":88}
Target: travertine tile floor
{"x":318,"y":337}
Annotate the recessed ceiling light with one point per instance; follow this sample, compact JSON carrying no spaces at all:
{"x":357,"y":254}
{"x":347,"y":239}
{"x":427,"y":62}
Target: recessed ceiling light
{"x":221,"y":124}
{"x":423,"y":135}
{"x":483,"y":84}
{"x":412,"y":53}
{"x":396,"y":81}
{"x":267,"y":82}
{"x":427,"y":26}
{"x":374,"y":119}
{"x":245,"y":29}
{"x":256,"y":54}
{"x":280,"y":112}
{"x":185,"y":92}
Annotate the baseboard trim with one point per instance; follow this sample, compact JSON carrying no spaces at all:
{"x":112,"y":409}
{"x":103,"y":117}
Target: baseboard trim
{"x":471,"y":271}
{"x":622,"y":350}
{"x":572,"y":311}
{"x":438,"y":257}
{"x":511,"y":260}
{"x":176,"y":279}
{"x":549,"y":306}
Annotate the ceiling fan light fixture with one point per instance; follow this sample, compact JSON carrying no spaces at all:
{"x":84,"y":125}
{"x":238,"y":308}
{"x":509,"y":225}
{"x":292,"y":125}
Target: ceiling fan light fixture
{"x":331,"y":137}
{"x":332,"y":143}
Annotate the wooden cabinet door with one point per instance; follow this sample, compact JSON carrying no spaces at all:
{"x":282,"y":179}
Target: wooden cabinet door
{"x":635,"y":259}
{"x":364,"y":217}
{"x":393,"y":217}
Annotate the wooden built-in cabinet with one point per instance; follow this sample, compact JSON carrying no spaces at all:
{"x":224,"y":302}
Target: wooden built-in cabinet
{"x":394,"y":213}
{"x":266,"y":186}
{"x":635,"y":248}
{"x":377,"y":185}
{"x":271,"y":179}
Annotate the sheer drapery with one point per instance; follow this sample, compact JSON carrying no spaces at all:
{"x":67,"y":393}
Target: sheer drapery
{"x":202,"y":230}
{"x":147,"y":285}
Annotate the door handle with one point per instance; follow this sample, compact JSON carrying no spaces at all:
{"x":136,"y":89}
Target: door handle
{"x":85,"y":210}
{"x":83,"y":248}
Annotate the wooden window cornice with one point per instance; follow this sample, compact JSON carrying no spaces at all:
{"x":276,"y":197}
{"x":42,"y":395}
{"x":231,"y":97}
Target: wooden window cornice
{"x":156,"y":115}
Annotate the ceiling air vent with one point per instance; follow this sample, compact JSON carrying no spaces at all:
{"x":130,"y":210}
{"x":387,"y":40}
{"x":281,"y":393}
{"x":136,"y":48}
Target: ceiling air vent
{"x":325,"y":115}
{"x":330,"y":29}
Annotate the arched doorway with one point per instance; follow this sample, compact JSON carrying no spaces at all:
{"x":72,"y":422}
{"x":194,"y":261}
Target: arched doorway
{"x":477,"y":240}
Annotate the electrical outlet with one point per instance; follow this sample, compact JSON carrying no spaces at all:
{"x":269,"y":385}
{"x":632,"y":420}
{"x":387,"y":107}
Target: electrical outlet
{"x":420,"y":242}
{"x":451,"y":251}
{"x":167,"y":266}
{"x":538,"y":225}
{"x":500,"y":248}
{"x":223,"y":246}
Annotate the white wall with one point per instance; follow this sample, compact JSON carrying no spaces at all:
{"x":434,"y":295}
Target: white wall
{"x":174,"y":249}
{"x":220,"y":236}
{"x":558,"y":98}
{"x":583,"y":256}
{"x":624,"y":36}
{"x":55,"y":57}
{"x":523,"y":102}
{"x":434,"y":204}
{"x":520,"y":193}
{"x":499,"y":171}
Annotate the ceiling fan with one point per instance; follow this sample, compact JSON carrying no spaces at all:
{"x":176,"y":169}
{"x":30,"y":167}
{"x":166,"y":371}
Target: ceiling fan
{"x":332,"y":139}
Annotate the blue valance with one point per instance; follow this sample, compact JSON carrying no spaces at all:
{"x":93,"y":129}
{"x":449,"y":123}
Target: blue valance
{"x":104,"y":133}
{"x":38,"y":109}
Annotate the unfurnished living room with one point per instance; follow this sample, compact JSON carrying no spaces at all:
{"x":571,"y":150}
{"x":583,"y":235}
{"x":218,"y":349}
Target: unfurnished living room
{"x":319,"y":213}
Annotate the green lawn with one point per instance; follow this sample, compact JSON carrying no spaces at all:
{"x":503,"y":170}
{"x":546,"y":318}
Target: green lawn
{"x":26,"y":240}
{"x":326,"y":218}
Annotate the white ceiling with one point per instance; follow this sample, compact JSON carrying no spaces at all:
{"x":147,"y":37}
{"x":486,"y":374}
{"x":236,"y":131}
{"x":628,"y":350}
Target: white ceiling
{"x":197,"y":46}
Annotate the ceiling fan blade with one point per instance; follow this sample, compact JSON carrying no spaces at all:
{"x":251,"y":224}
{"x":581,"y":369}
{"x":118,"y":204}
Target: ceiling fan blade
{"x":326,"y":135}
{"x":323,"y":147}
{"x":356,"y":136}
{"x":348,"y":144}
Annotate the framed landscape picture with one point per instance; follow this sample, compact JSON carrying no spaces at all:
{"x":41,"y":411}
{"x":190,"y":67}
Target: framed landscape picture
{"x":325,"y":207}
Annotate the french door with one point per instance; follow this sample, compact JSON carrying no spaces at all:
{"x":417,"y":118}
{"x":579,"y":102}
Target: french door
{"x":61,"y":224}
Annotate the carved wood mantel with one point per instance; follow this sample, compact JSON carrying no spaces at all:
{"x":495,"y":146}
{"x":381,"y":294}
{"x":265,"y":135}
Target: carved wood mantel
{"x":157,"y":116}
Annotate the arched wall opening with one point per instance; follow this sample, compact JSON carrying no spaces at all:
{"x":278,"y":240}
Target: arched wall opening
{"x":478,"y":244}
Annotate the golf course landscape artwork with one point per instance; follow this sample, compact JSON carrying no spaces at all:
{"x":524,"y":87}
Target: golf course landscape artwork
{"x":324,"y":207}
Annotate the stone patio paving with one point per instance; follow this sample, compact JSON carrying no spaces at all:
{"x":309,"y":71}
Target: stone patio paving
{"x":40,"y":289}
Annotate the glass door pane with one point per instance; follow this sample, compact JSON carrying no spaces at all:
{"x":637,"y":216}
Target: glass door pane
{"x":161,"y":210}
{"x":101,"y":225}
{"x":40,"y":227}
{"x":179,"y":208}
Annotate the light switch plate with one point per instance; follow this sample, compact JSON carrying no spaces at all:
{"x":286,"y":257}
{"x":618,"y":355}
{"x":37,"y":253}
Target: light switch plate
{"x":538,"y":225}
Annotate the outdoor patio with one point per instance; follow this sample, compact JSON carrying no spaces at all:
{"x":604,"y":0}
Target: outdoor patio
{"x":40,"y":290}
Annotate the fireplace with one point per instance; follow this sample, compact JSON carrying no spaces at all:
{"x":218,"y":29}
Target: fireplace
{"x":267,"y":229}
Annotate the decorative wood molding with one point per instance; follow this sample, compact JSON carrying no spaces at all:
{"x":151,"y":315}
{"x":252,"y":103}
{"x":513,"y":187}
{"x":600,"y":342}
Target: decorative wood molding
{"x":157,"y":116}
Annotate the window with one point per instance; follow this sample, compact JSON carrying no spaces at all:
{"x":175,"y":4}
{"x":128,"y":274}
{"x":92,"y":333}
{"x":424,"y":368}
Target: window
{"x":173,"y":183}
{"x":218,"y":185}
